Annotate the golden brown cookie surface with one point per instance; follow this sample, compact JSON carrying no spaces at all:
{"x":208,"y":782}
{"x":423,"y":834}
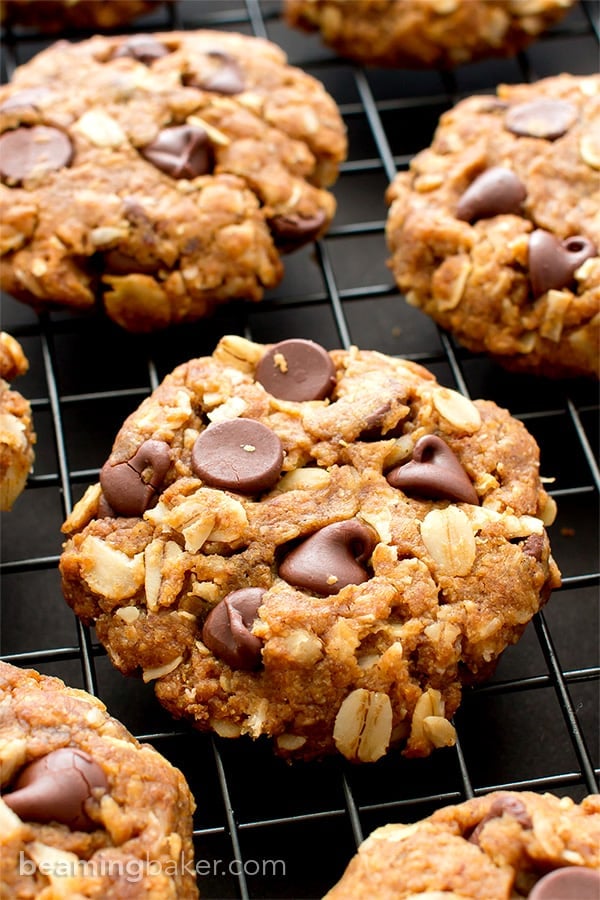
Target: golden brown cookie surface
{"x":172,"y":180}
{"x":504,"y":845}
{"x":85,"y":810}
{"x":326,"y":569}
{"x":425,"y":33}
{"x":495,"y":229}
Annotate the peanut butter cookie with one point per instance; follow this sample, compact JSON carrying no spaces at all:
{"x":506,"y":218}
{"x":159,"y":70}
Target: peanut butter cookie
{"x":86,"y":810}
{"x":425,"y":33}
{"x":17,"y":436}
{"x":55,"y":15}
{"x":505,"y":845}
{"x":494,"y":231}
{"x":171,"y":180}
{"x":321,"y":547}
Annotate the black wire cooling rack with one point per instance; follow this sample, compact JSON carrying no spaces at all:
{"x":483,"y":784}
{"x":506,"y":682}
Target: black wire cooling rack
{"x":264,"y":828}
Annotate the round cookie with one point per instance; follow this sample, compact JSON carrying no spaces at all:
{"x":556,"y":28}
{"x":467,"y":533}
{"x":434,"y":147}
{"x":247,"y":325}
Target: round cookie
{"x":86,"y":810}
{"x":425,"y":33}
{"x":494,"y":230}
{"x":172,"y":180}
{"x":506,"y":844}
{"x":334,"y":574}
{"x":56,"y":15}
{"x":17,"y":436}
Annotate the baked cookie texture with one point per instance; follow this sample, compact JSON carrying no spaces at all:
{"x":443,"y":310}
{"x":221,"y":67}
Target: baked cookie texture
{"x":494,"y":231}
{"x":425,"y":33}
{"x":86,"y":810}
{"x":54,"y":15}
{"x":17,"y":436}
{"x":504,"y":845}
{"x":320,"y":547}
{"x":172,"y":180}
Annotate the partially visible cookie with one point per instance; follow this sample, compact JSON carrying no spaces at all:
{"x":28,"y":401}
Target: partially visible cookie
{"x":55,"y":15}
{"x":321,"y":547}
{"x":171,"y":181}
{"x":86,"y":810}
{"x":494,"y":230}
{"x":17,"y":436}
{"x":425,"y":33}
{"x":503,"y":845}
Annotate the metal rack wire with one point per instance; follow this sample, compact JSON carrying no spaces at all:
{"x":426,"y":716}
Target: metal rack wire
{"x":263,"y":828}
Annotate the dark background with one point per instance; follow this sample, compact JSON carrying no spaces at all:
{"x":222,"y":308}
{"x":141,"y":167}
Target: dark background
{"x":263,"y":828}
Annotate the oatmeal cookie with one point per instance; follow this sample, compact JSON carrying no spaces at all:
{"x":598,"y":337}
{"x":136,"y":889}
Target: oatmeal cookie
{"x":425,"y":33}
{"x":317,"y":546}
{"x":17,"y":436}
{"x":172,"y":180}
{"x":55,"y":15}
{"x":494,"y":231}
{"x":85,"y":810}
{"x":504,"y":845}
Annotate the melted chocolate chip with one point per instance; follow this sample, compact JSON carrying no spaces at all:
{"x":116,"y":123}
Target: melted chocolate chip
{"x":27,"y":152}
{"x":240,"y":455}
{"x":495,"y":192}
{"x":330,"y":559}
{"x":297,"y":369}
{"x":29,"y":97}
{"x":553,"y":263}
{"x":142,"y":47}
{"x":292,"y":231}
{"x":222,"y":75}
{"x":534,"y":546}
{"x":434,"y":472}
{"x":548,"y":119}
{"x":504,"y":806}
{"x":182,"y":151}
{"x":373,"y":428}
{"x":227,"y":630}
{"x":123,"y":485}
{"x":570,"y":883}
{"x":55,"y":788}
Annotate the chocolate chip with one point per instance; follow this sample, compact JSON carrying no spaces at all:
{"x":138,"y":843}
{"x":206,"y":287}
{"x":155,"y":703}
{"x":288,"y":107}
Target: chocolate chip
{"x":373,"y":428}
{"x":29,"y":97}
{"x":293,"y":230}
{"x":142,"y":47}
{"x":434,"y":472}
{"x":127,"y":487}
{"x":55,"y":788}
{"x":504,"y":806}
{"x":227,"y":630}
{"x":27,"y":152}
{"x":548,"y":119}
{"x":182,"y":151}
{"x":534,"y":546}
{"x":240,"y":455}
{"x":553,"y":263}
{"x":222,"y":75}
{"x":570,"y":883}
{"x":122,"y":263}
{"x":495,"y":192}
{"x":297,"y":369}
{"x":330,"y":559}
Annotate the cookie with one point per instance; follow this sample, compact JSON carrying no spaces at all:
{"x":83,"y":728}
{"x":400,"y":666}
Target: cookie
{"x":425,"y":33}
{"x":321,"y":547}
{"x":17,"y":436}
{"x":86,"y":810}
{"x":494,"y":230}
{"x":55,"y":15}
{"x":504,"y":845}
{"x":171,"y":181}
